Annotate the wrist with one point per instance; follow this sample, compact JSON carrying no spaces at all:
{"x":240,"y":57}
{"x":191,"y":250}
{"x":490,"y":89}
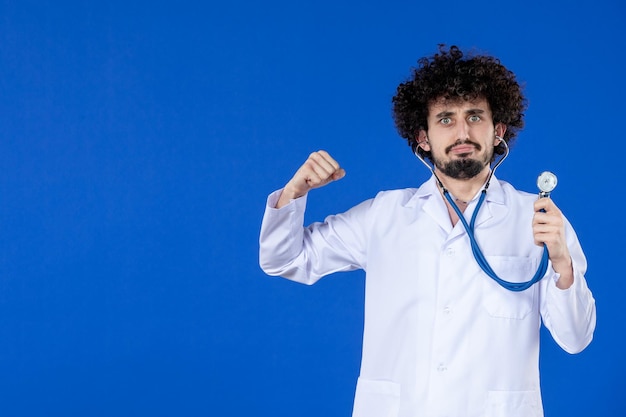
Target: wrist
{"x":562,"y":265}
{"x":290,"y":193}
{"x":287,"y":195}
{"x":566,"y":272}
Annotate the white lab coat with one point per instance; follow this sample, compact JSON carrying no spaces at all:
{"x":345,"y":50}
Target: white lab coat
{"x":441,"y":338}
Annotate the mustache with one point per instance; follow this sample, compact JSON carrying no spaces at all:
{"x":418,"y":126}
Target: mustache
{"x":463,"y":142}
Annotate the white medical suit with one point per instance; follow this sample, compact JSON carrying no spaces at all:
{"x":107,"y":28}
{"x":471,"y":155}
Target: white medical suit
{"x":441,"y":338}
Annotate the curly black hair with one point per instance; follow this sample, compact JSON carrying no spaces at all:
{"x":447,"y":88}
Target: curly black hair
{"x":451,"y":76}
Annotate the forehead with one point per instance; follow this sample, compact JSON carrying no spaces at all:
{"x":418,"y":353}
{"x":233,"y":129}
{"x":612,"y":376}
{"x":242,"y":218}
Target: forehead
{"x":457,"y":105}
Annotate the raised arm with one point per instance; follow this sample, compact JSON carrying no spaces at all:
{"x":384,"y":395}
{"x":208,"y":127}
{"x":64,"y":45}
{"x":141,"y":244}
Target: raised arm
{"x":305,"y":254}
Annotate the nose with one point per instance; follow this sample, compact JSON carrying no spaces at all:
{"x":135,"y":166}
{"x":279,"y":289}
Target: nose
{"x":462,"y":130}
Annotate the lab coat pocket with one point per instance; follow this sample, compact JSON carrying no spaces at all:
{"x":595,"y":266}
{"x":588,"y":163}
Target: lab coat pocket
{"x":375,"y":398}
{"x":502,"y":303}
{"x":514,"y":404}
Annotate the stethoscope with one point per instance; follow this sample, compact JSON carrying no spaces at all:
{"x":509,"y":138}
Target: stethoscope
{"x":546,"y":183}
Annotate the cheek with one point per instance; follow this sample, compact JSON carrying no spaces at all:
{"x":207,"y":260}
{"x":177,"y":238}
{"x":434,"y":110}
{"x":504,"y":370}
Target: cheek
{"x":438,"y":153}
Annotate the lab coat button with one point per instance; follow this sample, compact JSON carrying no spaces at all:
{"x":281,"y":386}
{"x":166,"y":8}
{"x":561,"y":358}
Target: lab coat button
{"x":447,"y":311}
{"x":450,"y":252}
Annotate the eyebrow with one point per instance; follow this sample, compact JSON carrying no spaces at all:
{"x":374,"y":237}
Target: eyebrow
{"x":444,"y":114}
{"x":468,"y":112}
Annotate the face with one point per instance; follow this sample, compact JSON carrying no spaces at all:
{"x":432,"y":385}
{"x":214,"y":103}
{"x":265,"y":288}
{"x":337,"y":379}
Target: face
{"x":461,"y":137}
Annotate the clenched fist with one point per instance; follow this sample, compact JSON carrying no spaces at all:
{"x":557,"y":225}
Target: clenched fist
{"x":318,"y":170}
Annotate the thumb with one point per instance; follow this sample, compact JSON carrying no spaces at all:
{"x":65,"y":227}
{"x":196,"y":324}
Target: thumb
{"x":339,"y":174}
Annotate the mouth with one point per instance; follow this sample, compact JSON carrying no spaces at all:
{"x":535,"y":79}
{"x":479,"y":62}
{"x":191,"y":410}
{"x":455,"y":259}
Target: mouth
{"x":463,"y":149}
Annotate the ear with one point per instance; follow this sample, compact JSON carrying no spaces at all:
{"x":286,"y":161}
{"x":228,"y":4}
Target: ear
{"x":422,"y":140}
{"x":500,"y":131}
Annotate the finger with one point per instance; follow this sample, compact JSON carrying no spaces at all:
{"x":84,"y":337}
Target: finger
{"x":324,"y":173}
{"x":540,"y":217}
{"x":556,"y":247}
{"x":552,"y":219}
{"x":317,"y":175}
{"x":326,"y":156}
{"x":325,"y":161}
{"x":547,"y":205}
{"x":312,"y":177}
{"x":545,"y":233}
{"x":325,"y":166}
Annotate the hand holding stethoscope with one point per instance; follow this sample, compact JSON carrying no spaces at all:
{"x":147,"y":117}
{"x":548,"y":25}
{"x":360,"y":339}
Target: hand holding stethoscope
{"x":549,"y":229}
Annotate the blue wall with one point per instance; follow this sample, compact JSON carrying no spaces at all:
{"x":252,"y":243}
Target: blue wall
{"x":138,"y":142}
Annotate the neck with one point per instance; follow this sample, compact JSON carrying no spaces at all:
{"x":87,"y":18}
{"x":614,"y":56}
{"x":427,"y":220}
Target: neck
{"x":464,"y":190}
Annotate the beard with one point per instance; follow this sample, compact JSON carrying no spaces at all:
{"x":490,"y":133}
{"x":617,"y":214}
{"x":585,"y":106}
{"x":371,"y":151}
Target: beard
{"x":461,"y":169}
{"x":464,"y":168}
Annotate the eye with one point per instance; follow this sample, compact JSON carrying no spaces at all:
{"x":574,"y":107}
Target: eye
{"x":445,"y":121}
{"x":474,"y":118}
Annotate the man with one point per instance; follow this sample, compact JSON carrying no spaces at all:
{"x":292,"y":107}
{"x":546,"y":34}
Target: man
{"x":441,"y":337}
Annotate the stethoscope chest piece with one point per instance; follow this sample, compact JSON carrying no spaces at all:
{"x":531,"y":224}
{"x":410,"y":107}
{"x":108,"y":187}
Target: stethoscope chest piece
{"x":546,"y":182}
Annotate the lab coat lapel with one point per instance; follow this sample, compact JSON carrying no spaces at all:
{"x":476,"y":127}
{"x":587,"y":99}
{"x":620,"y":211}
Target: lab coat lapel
{"x":431,"y":202}
{"x":493,"y":206}
{"x":436,"y":208}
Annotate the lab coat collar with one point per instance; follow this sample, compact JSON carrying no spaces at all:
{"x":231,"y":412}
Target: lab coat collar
{"x":495,"y":193}
{"x":426,"y":190}
{"x":428,"y":196}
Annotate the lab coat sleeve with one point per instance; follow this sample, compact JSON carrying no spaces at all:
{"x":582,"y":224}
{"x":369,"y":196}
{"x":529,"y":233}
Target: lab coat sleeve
{"x":570,"y":314}
{"x":305,"y":254}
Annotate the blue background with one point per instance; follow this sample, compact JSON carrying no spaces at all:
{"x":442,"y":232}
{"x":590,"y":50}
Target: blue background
{"x":139,"y":140}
